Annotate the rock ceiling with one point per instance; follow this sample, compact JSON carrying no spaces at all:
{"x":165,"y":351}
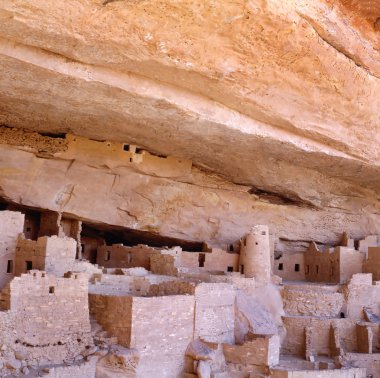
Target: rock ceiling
{"x":278,"y":95}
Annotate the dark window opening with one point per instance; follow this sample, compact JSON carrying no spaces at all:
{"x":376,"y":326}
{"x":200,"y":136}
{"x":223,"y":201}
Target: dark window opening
{"x":51,"y":290}
{"x":297,"y":267}
{"x":201,"y":260}
{"x":107,"y":256}
{"x":131,"y":160}
{"x":10,"y":266}
{"x":54,"y":135}
{"x":28,"y":229}
{"x":28,"y":265}
{"x":280,"y":266}
{"x":231,"y":247}
{"x":230,"y":268}
{"x":139,"y":150}
{"x":126,"y":147}
{"x":356,"y":244}
{"x":257,"y":243}
{"x":242,"y":269}
{"x":263,"y":233}
{"x":317,"y":269}
{"x":342,"y":315}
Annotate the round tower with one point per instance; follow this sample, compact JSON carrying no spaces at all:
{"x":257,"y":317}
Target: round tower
{"x":255,"y":258}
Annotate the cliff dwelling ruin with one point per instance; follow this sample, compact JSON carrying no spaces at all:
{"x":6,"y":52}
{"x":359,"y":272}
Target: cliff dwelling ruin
{"x":190,"y":189}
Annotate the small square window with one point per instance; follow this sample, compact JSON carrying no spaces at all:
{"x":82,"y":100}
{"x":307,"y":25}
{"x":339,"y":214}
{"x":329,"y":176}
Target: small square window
{"x":28,"y":265}
{"x":230,"y":268}
{"x":51,"y":290}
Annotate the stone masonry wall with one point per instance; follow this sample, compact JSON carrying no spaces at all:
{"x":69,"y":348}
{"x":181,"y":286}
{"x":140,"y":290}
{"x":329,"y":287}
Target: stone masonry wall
{"x":262,"y":350}
{"x":53,"y":254}
{"x":171,"y":317}
{"x":11,"y":225}
{"x":308,"y":302}
{"x":372,"y":264}
{"x":44,"y":320}
{"x":136,"y":322}
{"x":48,"y":309}
{"x":215,"y":312}
{"x":120,"y":256}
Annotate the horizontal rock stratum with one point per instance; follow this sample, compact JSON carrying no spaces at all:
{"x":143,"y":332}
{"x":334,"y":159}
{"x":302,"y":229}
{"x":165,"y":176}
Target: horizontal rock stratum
{"x":273,"y":99}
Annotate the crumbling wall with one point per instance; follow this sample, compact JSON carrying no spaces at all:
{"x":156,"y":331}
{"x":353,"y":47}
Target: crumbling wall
{"x":32,"y":141}
{"x":304,"y":301}
{"x":368,"y":362}
{"x":333,"y":373}
{"x":360,"y":293}
{"x":114,"y":314}
{"x":215,"y":312}
{"x":172,"y":288}
{"x":11,"y":225}
{"x":260,"y":350}
{"x":295,"y":339}
{"x":129,"y":284}
{"x":166,"y":262}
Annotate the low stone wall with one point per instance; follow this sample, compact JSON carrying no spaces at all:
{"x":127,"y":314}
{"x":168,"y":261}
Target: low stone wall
{"x":261,"y":350}
{"x":335,"y":373}
{"x":303,"y":302}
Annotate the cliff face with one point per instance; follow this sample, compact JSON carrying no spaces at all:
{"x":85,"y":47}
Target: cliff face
{"x":275,"y":102}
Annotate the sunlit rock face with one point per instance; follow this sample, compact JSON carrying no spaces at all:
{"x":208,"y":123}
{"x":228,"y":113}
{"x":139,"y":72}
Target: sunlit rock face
{"x":274,"y":102}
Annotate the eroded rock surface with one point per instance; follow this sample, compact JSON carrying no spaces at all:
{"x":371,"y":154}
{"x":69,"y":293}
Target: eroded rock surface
{"x":280,"y":98}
